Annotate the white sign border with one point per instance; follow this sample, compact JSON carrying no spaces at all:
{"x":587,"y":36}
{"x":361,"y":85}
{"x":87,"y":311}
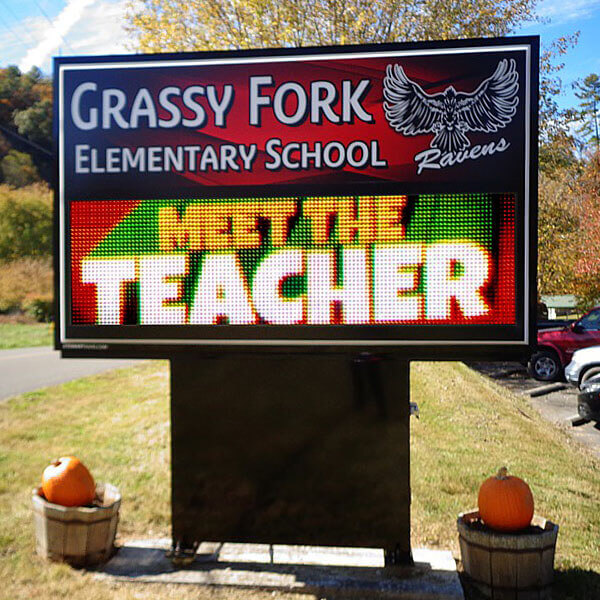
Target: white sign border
{"x":271,"y":59}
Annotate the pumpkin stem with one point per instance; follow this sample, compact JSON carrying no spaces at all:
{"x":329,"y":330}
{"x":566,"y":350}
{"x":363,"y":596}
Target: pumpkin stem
{"x":502,"y":473}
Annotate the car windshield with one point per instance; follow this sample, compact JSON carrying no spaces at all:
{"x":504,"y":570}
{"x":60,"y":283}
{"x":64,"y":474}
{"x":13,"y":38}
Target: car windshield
{"x":591,"y":321}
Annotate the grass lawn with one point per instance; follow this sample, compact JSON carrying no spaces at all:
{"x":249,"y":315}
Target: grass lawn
{"x":21,"y":335}
{"x":119,"y":424}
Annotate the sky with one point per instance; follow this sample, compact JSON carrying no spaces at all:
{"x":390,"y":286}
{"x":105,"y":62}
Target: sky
{"x":33,"y":31}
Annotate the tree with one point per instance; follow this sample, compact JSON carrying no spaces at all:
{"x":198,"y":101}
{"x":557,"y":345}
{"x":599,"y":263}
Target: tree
{"x":18,"y":169}
{"x":25,"y":222}
{"x":4,"y":146}
{"x":587,"y":271}
{"x":558,"y":234}
{"x":557,"y":146}
{"x":174,"y":25}
{"x":35,"y":122}
{"x":26,"y":117}
{"x":18,"y":90}
{"x":589,"y":94}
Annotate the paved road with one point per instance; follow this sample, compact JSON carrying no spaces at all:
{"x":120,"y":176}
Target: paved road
{"x":28,"y":369}
{"x":558,"y":406}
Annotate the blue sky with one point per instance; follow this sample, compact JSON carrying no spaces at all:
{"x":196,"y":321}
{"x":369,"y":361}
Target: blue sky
{"x":32,"y":31}
{"x":565,"y":18}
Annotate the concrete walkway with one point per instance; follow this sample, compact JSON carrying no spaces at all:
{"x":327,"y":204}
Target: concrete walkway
{"x":28,"y":369}
{"x":323,"y":571}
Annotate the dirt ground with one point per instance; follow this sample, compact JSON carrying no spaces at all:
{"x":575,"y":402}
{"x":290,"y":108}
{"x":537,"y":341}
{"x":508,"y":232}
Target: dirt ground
{"x":21,"y":318}
{"x":558,"y":406}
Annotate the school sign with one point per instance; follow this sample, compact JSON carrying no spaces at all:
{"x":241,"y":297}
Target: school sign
{"x":377,"y":196}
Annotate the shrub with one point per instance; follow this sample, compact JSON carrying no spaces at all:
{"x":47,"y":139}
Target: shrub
{"x":25,"y":221}
{"x":39,"y":307}
{"x":26,"y":285}
{"x":18,"y":169}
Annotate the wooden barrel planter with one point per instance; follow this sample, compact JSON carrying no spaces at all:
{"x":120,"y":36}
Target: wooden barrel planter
{"x":503,"y":566}
{"x":78,"y":535}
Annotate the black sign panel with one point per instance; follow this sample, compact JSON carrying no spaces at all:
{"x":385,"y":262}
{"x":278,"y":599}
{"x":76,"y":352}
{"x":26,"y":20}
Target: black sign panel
{"x":351,"y":197}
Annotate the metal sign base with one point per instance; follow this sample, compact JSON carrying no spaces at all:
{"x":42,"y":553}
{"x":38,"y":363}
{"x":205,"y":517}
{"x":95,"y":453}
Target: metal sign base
{"x":309,"y":450}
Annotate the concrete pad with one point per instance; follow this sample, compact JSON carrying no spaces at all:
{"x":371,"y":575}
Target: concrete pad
{"x":355,"y":572}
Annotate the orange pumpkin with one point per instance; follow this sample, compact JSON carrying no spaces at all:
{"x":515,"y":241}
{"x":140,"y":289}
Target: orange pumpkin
{"x":68,"y":482}
{"x":505,"y":502}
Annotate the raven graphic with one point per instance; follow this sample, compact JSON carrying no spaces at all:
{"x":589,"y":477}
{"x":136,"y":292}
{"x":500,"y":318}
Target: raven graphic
{"x":449,"y":114}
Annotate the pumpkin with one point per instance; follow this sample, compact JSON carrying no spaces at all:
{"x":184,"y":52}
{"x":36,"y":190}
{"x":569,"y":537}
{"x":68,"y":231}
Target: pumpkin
{"x":505,"y":502}
{"x":68,"y":482}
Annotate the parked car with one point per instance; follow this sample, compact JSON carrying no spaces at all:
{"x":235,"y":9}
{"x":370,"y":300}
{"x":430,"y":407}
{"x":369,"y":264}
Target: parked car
{"x":553,"y":323}
{"x":555,"y":347}
{"x":588,"y":399}
{"x":584,"y":364}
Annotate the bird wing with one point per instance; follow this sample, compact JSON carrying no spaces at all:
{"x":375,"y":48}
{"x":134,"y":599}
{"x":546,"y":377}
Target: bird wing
{"x":493,"y":104}
{"x":408,"y":108}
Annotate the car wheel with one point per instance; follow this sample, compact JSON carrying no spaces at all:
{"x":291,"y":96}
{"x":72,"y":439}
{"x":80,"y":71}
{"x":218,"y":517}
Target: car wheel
{"x":544,"y":366}
{"x":588,"y":374}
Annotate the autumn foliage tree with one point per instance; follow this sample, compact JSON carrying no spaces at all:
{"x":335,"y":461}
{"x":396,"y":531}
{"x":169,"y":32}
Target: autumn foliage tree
{"x":569,"y":189}
{"x":587,"y":269}
{"x":173,"y":25}
{"x":25,"y":125}
{"x":558,"y":227}
{"x":568,"y":238}
{"x":559,"y":214}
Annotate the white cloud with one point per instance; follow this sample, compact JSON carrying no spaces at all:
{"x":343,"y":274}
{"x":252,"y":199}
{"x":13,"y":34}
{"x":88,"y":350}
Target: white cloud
{"x":102,"y":33}
{"x":11,"y":48}
{"x":562,"y":11}
{"x":54,"y":33}
{"x":88,"y":26}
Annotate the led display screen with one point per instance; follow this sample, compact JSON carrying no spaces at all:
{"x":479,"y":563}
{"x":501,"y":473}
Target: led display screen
{"x":365,"y":196}
{"x":322,"y":260}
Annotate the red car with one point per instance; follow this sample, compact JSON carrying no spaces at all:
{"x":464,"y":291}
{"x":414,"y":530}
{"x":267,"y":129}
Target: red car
{"x":556,"y":346}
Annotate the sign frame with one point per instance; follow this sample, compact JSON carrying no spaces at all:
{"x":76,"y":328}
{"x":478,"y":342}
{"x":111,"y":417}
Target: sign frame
{"x":414,"y":341}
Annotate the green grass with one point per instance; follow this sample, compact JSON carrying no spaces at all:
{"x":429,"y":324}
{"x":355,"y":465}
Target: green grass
{"x":20,"y":335}
{"x":119,"y":424}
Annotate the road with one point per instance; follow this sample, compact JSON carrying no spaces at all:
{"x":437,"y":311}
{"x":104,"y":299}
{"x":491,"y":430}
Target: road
{"x":28,"y":369}
{"x":558,"y":406}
